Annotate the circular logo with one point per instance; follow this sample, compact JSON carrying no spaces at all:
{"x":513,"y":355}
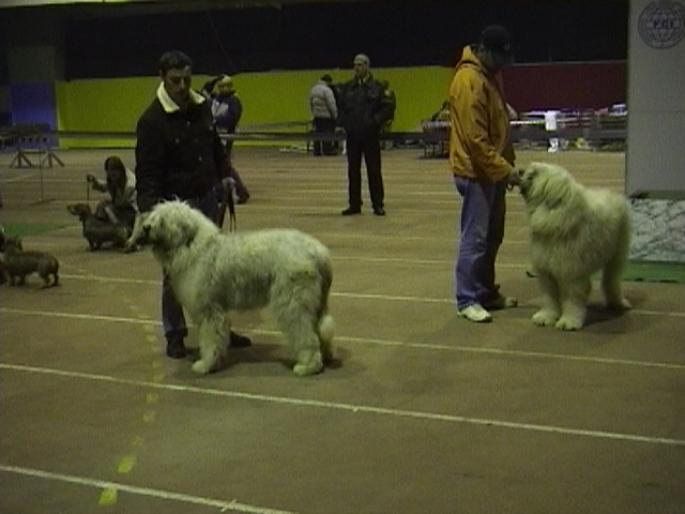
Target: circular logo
{"x":662,"y":24}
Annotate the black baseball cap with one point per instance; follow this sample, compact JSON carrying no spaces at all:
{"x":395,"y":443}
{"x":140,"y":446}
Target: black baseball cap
{"x":497,"y":39}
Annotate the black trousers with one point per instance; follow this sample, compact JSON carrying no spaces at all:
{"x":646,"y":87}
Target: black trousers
{"x":369,"y":147}
{"x":324,"y":126}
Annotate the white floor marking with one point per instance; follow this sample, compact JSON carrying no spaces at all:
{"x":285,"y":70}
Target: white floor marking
{"x":386,"y":342}
{"x":90,"y":317}
{"x":412,"y":262}
{"x":21,"y":178}
{"x":142,"y":491}
{"x":498,"y":351}
{"x":367,"y":296}
{"x":46,"y":240}
{"x":115,"y":280}
{"x":354,"y":408}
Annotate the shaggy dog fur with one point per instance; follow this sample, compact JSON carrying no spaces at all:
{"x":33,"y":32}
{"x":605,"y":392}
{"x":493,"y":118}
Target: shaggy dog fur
{"x":213,"y":273}
{"x":574,"y":232}
{"x":96,"y":231}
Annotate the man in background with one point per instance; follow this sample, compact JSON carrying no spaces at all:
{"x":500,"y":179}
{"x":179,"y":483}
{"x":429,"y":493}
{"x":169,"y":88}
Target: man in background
{"x":387,"y":126}
{"x":364,"y":108}
{"x":324,"y":113}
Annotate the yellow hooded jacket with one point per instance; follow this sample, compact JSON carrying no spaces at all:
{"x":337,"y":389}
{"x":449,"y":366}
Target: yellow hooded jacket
{"x":480,"y":142}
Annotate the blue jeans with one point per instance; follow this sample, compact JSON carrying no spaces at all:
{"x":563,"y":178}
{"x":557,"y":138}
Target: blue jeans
{"x":482,"y":230}
{"x":173,"y":320}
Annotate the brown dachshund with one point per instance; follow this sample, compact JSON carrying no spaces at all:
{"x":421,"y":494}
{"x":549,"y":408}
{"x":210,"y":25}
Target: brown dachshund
{"x":18,"y":264}
{"x":96,"y":231}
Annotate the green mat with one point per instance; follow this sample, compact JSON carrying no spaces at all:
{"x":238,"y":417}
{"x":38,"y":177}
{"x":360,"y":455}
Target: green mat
{"x":30,"y":229}
{"x":652,"y":271}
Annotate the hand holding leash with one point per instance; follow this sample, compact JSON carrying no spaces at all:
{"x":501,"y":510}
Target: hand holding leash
{"x":513,"y":179}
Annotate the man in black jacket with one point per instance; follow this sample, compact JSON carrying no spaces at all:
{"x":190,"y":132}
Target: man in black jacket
{"x":179,"y":155}
{"x":364,"y":107}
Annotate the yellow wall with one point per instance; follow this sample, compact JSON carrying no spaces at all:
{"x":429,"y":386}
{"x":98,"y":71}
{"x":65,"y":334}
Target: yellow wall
{"x":114,"y":105}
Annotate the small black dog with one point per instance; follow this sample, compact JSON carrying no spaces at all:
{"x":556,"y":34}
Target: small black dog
{"x":18,"y":264}
{"x":97,"y":231}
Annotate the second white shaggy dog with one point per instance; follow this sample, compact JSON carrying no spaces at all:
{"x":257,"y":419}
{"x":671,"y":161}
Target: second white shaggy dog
{"x":574,"y":232}
{"x":213,"y":273}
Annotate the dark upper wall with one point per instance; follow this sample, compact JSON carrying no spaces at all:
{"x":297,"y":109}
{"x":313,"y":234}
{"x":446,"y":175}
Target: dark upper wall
{"x":309,"y":36}
{"x":565,"y":86}
{"x":4,"y":71}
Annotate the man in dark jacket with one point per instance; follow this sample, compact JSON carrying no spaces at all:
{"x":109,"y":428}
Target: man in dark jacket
{"x":179,"y":155}
{"x":364,"y":108}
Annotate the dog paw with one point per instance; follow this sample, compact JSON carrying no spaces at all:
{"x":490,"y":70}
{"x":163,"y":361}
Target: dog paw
{"x":201,"y":367}
{"x":569,"y":323}
{"x":303,"y":370}
{"x":545,"y":318}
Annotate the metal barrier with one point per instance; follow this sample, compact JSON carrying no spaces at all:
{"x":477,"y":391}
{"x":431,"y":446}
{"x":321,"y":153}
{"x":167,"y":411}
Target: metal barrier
{"x":591,"y":127}
{"x":434,"y":135}
{"x":28,"y":140}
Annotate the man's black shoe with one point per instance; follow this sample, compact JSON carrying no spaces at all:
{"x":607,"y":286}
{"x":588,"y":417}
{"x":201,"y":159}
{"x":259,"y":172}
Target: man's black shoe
{"x":379,"y":211}
{"x":243,"y":199}
{"x":238,"y":341}
{"x":175,"y":348}
{"x":351,"y":211}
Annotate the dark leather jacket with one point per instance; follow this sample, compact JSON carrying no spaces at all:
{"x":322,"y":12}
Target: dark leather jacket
{"x":364,"y":106}
{"x":178,"y":154}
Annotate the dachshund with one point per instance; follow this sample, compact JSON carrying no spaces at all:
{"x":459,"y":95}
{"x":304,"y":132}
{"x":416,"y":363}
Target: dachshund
{"x":19,"y":263}
{"x":96,"y":231}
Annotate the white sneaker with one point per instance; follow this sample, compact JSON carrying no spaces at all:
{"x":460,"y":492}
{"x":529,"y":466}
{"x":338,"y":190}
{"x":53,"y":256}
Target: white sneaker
{"x":476,"y":313}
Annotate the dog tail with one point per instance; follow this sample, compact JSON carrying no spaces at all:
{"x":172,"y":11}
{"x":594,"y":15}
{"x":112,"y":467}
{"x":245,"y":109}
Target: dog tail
{"x":326,"y":332}
{"x":618,"y":260}
{"x":326,"y":328}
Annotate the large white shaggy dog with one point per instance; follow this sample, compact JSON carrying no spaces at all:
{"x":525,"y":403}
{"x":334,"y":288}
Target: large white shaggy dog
{"x":574,"y":232}
{"x":213,"y":274}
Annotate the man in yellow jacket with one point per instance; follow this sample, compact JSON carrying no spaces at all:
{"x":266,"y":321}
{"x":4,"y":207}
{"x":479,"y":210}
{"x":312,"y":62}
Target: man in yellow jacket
{"x":482,"y":160}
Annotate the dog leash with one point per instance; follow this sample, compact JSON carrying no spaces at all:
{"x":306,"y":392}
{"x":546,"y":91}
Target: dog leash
{"x":232,"y":223}
{"x":228,"y":202}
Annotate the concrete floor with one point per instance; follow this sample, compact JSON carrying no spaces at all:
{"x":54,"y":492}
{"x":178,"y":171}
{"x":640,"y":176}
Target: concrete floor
{"x":427,"y":413}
